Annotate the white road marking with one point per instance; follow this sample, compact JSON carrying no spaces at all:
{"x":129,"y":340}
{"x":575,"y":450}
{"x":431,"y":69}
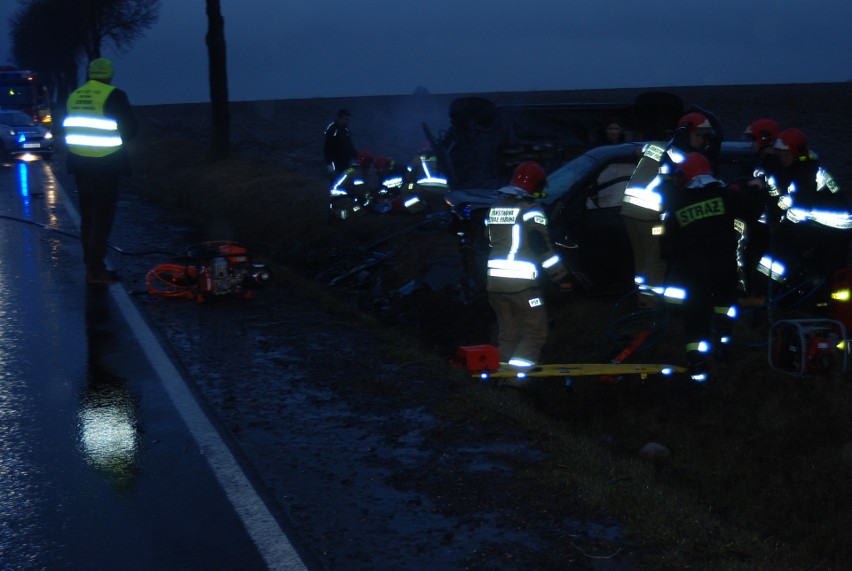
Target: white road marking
{"x":271,"y":541}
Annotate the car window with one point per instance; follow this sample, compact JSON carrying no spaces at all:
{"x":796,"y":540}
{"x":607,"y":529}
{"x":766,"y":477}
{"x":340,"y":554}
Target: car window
{"x":607,"y":189}
{"x":564,"y":179}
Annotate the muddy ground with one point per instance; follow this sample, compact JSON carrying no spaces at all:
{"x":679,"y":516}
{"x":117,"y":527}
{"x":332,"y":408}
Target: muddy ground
{"x":356,"y":441}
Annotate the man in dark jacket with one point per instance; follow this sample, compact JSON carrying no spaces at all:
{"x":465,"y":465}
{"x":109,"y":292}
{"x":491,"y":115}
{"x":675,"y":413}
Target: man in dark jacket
{"x":700,"y":246}
{"x":338,"y":150}
{"x":98,"y":125}
{"x":817,"y":215}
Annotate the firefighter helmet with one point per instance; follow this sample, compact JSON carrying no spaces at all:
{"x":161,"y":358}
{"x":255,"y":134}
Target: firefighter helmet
{"x":364,"y":159}
{"x":763,"y":131}
{"x":529,"y":177}
{"x":695,"y":164}
{"x":793,"y":140}
{"x":695,"y":121}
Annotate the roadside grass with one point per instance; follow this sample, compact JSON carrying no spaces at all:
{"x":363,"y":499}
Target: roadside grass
{"x":760,"y":462}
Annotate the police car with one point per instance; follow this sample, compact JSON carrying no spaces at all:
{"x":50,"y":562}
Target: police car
{"x":22,"y":137}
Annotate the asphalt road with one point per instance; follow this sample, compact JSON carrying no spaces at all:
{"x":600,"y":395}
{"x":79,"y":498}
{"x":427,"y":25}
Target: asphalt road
{"x":107,"y":458}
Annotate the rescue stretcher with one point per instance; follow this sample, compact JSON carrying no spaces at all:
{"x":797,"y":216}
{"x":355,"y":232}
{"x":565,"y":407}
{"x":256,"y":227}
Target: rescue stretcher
{"x":482,"y":362}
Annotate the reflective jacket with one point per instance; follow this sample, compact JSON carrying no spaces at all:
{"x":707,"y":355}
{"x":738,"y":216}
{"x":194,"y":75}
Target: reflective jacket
{"x":642,"y":197}
{"x":98,"y":123}
{"x":351,"y":182}
{"x":425,"y":170}
{"x":520,"y":246}
{"x":700,"y":219}
{"x":808,"y":193}
{"x":338,"y":149}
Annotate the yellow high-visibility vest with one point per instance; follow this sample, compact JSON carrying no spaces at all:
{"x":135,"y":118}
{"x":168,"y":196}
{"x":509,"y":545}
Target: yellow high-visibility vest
{"x":88,"y":132}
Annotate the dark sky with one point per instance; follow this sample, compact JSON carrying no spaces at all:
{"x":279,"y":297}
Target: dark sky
{"x":329,"y":48}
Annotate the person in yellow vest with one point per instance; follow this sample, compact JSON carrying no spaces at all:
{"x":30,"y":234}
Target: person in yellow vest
{"x":98,"y":124}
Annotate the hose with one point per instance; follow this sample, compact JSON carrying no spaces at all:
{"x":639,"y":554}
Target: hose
{"x":77,"y":237}
{"x":170,"y":280}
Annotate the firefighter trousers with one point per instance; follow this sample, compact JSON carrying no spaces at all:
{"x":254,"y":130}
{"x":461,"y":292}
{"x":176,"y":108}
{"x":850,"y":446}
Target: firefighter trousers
{"x":521,"y":322}
{"x":647,"y":261}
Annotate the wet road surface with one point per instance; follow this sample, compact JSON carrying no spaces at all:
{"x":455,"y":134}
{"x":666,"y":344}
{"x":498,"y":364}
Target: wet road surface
{"x":106,"y":460}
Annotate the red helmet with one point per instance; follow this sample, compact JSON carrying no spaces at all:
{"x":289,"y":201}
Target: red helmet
{"x":364,"y":159}
{"x":763,"y":131}
{"x":793,"y":140}
{"x":529,"y":177}
{"x":695,"y":121}
{"x":695,"y":164}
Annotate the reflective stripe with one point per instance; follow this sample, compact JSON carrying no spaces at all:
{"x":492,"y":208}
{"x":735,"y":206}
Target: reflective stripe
{"x":104,"y":141}
{"x":512,"y":269}
{"x":726,"y":310}
{"x":771,"y":268}
{"x":676,"y":156}
{"x":551,"y":261}
{"x":644,"y":198}
{"x":102,"y":124}
{"x":536,"y":215}
{"x":701,"y":346}
{"x":833,"y":219}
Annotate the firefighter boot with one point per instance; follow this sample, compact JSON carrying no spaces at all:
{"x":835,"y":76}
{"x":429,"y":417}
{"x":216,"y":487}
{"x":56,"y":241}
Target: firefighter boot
{"x":696,"y":362}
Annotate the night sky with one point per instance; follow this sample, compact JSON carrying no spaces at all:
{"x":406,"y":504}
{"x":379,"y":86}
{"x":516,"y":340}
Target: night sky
{"x":332,"y":48}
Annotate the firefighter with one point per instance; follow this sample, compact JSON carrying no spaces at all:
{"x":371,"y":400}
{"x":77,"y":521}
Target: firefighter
{"x":98,"y":124}
{"x":642,"y":203}
{"x":425,"y":171}
{"x":700,"y":246}
{"x":762,"y":134}
{"x":338,"y":149}
{"x":520,"y":252}
{"x":391,"y":192}
{"x":353,"y":189}
{"x":817,"y":216}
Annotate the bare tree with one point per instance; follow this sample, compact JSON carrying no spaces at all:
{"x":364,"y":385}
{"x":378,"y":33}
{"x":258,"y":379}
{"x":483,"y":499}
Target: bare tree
{"x":43,"y":40}
{"x":54,"y":37}
{"x":216,"y":53}
{"x":115,"y":22}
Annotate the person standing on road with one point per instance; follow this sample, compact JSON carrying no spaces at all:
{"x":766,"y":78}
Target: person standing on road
{"x":520,"y":250}
{"x":98,"y":124}
{"x":700,"y":246}
{"x":338,"y":150}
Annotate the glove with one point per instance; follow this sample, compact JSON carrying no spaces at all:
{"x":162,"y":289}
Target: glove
{"x":330,"y":168}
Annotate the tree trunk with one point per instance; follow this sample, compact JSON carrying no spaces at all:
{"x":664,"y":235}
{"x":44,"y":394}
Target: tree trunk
{"x":221,"y":145}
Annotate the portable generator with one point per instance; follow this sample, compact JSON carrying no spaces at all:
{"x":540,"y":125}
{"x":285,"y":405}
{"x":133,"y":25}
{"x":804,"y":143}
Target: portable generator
{"x":807,"y":347}
{"x":211,"y":269}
